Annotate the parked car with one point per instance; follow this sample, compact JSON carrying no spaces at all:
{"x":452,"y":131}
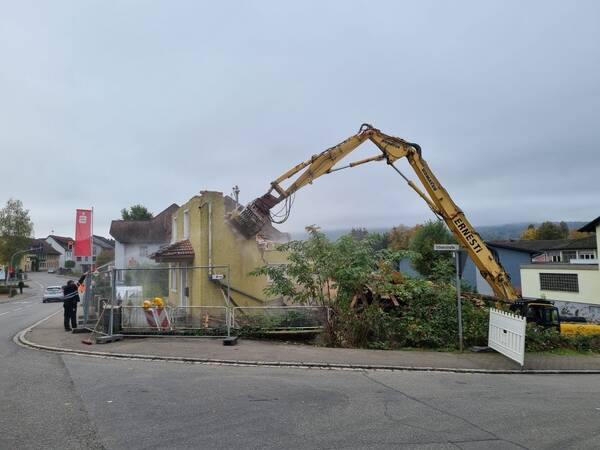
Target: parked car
{"x":51,"y":270}
{"x":53,"y":294}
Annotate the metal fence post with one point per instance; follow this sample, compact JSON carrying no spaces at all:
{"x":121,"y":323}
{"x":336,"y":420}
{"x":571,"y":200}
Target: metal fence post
{"x":86,"y":299}
{"x":112,"y":300}
{"x":228,"y":301}
{"x":458,"y":301}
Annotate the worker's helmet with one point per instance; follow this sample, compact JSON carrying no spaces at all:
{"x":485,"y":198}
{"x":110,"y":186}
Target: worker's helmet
{"x":147,"y":304}
{"x":158,"y":302}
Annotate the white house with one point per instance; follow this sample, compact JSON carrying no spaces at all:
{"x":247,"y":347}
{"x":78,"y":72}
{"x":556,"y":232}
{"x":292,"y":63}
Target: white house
{"x":136,"y":240}
{"x":64,"y":246}
{"x":573,"y":281}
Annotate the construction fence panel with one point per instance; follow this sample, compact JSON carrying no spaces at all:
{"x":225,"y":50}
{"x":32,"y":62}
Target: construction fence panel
{"x":173,"y":285}
{"x":161,"y":298}
{"x":98,"y":292}
{"x":200,"y":320}
{"x":274,"y":318}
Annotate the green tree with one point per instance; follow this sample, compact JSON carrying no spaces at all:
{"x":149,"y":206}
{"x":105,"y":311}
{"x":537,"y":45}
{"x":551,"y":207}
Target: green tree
{"x":574,"y":234}
{"x":319,"y":270}
{"x":530,"y":233}
{"x":550,"y":230}
{"x":16,"y":230}
{"x":359,"y":233}
{"x":400,"y":236}
{"x":379,"y":241}
{"x":333,"y":273}
{"x":136,"y":212}
{"x":432,"y":232}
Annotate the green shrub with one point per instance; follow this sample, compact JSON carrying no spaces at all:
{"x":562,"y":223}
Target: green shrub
{"x":539,"y":339}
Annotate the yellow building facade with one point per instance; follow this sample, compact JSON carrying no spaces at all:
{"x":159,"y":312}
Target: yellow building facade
{"x":207,"y":255}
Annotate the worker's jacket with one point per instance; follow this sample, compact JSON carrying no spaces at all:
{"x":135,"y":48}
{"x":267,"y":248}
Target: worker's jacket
{"x":71,"y":292}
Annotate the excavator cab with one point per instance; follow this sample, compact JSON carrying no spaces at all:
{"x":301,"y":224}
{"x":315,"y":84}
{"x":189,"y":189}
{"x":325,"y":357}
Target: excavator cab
{"x":540,"y":312}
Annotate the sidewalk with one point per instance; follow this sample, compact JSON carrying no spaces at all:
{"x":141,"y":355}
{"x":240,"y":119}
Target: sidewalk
{"x":51,"y":334}
{"x":27,"y":293}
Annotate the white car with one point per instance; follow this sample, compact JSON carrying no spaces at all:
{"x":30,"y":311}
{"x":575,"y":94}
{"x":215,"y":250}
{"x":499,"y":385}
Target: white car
{"x":53,"y":294}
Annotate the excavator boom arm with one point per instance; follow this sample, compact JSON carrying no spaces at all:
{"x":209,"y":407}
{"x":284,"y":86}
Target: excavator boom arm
{"x":257,"y":213}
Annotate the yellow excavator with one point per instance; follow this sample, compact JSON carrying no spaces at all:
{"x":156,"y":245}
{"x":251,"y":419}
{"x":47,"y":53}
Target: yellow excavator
{"x":257,"y":213}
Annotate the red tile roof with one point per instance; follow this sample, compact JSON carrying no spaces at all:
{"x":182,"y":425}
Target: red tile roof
{"x":177,"y":251}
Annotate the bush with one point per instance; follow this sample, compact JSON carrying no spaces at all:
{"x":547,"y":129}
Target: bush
{"x":540,"y":339}
{"x":333,"y":273}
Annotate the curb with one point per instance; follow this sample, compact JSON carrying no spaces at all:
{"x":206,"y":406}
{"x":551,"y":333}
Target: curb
{"x":21,"y":340}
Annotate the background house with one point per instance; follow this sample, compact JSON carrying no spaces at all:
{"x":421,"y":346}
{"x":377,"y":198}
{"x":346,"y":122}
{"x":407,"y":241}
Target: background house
{"x":582,"y":250}
{"x":573,"y":281}
{"x":136,"y":240}
{"x":510,"y":254}
{"x":202,"y":235}
{"x":64,"y":246}
{"x":41,"y":259}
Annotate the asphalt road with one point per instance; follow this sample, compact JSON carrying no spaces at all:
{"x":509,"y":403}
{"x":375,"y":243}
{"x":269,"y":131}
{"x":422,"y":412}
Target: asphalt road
{"x":55,"y":401}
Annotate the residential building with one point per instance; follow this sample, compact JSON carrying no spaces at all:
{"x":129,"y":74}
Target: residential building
{"x":567,"y":251}
{"x":100,"y":245}
{"x":136,"y":240}
{"x":64,"y":246}
{"x":573,"y":281}
{"x":203,"y":237}
{"x":510,"y":254}
{"x":43,"y":258}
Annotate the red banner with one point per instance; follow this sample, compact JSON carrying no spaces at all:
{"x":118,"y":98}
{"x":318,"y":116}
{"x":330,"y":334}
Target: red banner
{"x":83,"y":233}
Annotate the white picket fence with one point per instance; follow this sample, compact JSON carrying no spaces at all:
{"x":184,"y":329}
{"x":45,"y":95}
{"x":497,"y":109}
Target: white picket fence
{"x":507,"y":334}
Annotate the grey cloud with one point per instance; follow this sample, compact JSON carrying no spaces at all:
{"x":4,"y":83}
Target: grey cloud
{"x":160,"y":100}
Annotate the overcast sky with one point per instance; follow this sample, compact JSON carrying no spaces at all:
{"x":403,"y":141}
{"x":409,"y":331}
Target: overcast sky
{"x":108,"y":104}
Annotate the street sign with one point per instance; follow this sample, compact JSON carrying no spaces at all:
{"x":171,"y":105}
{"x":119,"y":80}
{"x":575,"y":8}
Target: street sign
{"x":445,"y":247}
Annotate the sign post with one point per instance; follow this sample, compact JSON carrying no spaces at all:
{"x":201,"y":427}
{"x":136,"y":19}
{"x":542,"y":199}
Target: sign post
{"x":455,"y":249}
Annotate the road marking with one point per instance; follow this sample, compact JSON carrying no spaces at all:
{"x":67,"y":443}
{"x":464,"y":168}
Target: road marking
{"x":4,"y":313}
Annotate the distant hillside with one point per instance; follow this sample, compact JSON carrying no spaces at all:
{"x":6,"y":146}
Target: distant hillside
{"x":487,"y":232}
{"x":513,"y":230}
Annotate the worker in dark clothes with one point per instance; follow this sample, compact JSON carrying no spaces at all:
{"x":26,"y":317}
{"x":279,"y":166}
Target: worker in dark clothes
{"x":70,"y":300}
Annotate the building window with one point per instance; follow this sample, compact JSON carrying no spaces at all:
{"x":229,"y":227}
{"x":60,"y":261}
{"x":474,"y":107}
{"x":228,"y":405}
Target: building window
{"x":173,"y":276}
{"x":143,"y":250}
{"x":555,"y":258}
{"x":567,"y":256}
{"x":93,"y":258}
{"x":174,"y":229}
{"x":186,"y":224}
{"x":587,"y":255}
{"x":95,"y":250}
{"x":79,"y":258}
{"x":564,"y":282}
